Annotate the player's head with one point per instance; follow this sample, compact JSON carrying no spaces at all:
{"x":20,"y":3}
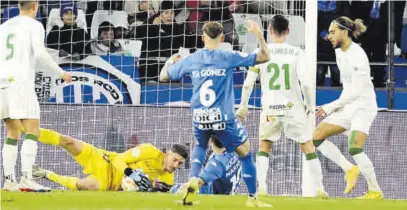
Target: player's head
{"x":215,"y":143}
{"x":279,"y":28}
{"x":212,"y":34}
{"x":175,"y":157}
{"x":343,"y":28}
{"x":28,"y":7}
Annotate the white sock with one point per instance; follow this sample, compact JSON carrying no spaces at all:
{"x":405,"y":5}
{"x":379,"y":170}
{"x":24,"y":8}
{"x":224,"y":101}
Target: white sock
{"x":28,"y":154}
{"x":10,"y":153}
{"x":262,"y":167}
{"x":315,"y":169}
{"x":367,"y":169}
{"x":331,"y":151}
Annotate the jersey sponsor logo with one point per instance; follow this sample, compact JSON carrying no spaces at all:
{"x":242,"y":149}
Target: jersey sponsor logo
{"x":207,"y":115}
{"x":212,"y":126}
{"x":287,"y":106}
{"x":209,"y":73}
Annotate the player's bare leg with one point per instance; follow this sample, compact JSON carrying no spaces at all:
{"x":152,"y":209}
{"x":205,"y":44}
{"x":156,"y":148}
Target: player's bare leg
{"x":28,"y":155}
{"x":262,"y":165}
{"x":329,"y":150}
{"x":314,"y":166}
{"x":356,"y":143}
{"x":249,"y":175}
{"x":10,"y":153}
{"x":70,"y":182}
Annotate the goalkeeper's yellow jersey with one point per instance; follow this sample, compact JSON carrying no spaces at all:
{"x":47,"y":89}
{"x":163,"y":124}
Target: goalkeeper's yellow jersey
{"x":144,"y":157}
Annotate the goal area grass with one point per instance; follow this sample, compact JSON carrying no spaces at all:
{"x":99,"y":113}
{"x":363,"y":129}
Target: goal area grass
{"x":75,"y":200}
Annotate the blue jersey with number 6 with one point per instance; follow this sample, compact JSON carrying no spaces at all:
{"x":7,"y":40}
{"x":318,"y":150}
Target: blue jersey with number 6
{"x":211,"y":72}
{"x":221,"y":174}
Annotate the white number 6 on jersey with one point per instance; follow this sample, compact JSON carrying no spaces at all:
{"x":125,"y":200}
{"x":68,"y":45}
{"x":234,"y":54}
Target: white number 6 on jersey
{"x":206,"y":95}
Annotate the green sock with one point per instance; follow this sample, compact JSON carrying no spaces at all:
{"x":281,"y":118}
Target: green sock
{"x":11,"y":141}
{"x":311,"y":156}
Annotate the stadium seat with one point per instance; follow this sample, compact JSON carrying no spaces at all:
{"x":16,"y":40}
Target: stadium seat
{"x":11,"y":12}
{"x":54,"y":19}
{"x":133,"y":46}
{"x":116,"y":18}
{"x":247,"y":40}
{"x":296,"y":25}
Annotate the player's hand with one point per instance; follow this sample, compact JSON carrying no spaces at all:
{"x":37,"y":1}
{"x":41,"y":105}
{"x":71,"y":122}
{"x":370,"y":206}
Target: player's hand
{"x":175,"y":58}
{"x":242,"y":113}
{"x":321,"y":114}
{"x":67,"y":77}
{"x":141,"y":180}
{"x":253,"y":27}
{"x":161,"y":187}
{"x":309,"y":110}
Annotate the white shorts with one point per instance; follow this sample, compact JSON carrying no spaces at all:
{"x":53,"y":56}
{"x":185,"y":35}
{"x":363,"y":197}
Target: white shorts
{"x":353,"y":119}
{"x":19,"y":102}
{"x":296,"y":127}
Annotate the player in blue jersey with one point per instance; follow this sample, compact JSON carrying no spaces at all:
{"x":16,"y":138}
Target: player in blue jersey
{"x":211,"y":71}
{"x":221,"y":174}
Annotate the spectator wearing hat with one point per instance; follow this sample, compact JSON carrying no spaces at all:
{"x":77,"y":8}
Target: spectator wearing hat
{"x":106,"y":42}
{"x":70,"y":39}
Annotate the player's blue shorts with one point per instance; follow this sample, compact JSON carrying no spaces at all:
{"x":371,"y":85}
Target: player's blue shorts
{"x":232,"y":134}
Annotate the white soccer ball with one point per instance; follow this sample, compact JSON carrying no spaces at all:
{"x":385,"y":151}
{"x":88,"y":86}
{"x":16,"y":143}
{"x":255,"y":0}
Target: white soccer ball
{"x":129,"y":185}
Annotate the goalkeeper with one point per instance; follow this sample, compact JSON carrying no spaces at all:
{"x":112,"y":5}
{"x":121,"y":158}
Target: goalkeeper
{"x":221,"y":175}
{"x":145,"y":164}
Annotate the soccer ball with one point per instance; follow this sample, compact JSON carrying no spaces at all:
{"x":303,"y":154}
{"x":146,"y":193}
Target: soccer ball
{"x":129,"y":185}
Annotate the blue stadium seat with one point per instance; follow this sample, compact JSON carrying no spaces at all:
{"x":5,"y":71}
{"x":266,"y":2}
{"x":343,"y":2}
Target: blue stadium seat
{"x":11,"y":12}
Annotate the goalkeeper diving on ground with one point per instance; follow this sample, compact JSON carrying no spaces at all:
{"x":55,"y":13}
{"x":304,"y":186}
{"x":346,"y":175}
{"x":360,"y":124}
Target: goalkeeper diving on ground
{"x":150,"y":168}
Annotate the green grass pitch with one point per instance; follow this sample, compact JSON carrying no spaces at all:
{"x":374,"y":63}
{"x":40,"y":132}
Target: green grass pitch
{"x":68,"y":200}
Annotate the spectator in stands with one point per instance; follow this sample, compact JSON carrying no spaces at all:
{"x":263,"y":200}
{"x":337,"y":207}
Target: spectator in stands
{"x":375,"y":16}
{"x":327,"y":12}
{"x":140,"y":11}
{"x":263,"y":7}
{"x":202,"y":11}
{"x":70,"y":39}
{"x":106,"y":42}
{"x":162,"y":37}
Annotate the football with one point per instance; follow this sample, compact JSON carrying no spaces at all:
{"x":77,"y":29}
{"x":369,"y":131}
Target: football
{"x":129,"y":185}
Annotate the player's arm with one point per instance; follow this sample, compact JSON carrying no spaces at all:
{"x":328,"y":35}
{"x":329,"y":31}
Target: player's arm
{"x":173,"y":69}
{"x":247,"y":90}
{"x":263,"y":54}
{"x":41,"y":54}
{"x":212,"y":171}
{"x":306,"y":82}
{"x":360,"y":76}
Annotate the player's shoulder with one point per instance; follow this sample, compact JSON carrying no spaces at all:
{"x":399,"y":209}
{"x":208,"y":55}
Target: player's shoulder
{"x":216,"y":161}
{"x":357,"y":50}
{"x":149,"y":148}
